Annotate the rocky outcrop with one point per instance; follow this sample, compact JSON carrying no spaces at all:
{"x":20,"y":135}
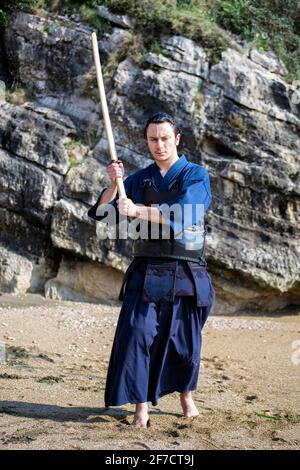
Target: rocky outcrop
{"x":239,"y":118}
{"x":28,"y":258}
{"x":20,"y":273}
{"x":122,"y":20}
{"x":84,"y":281}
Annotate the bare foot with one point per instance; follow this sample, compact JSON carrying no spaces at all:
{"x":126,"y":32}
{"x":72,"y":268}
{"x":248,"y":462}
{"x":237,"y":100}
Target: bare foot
{"x":141,"y":421}
{"x":141,"y":417}
{"x":188,"y":406}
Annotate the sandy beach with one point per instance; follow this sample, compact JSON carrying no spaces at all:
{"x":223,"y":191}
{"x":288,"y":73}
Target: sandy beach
{"x":53,"y":377}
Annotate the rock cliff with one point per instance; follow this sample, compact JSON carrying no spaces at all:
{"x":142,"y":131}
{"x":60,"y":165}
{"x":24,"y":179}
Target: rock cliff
{"x":240,"y":118}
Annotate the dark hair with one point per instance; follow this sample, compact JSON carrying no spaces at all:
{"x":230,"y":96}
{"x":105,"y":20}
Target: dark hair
{"x":159,"y":118}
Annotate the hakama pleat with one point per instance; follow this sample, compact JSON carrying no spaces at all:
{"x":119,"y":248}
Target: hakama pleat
{"x":156,"y":349}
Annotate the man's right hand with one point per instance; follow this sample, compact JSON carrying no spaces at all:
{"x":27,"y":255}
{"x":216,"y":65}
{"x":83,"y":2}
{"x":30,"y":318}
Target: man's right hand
{"x":115,"y":170}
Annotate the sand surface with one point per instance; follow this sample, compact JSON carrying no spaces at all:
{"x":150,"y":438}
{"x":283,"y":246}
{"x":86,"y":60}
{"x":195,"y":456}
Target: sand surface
{"x":52,"y":382}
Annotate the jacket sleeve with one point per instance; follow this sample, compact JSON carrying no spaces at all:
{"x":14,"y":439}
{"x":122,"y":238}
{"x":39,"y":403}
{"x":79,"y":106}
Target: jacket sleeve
{"x":188,"y":207}
{"x":99,"y":212}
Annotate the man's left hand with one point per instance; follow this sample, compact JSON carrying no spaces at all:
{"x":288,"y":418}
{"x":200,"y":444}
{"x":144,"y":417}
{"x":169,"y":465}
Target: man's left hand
{"x":127,"y":207}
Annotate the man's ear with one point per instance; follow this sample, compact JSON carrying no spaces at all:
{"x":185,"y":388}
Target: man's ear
{"x":177,"y":139}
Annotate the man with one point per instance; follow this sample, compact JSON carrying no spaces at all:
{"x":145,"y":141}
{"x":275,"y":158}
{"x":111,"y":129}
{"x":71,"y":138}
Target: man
{"x":168,"y":292}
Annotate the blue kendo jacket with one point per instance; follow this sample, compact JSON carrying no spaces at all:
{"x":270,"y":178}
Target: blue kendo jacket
{"x":164,"y":282}
{"x":193,"y":187}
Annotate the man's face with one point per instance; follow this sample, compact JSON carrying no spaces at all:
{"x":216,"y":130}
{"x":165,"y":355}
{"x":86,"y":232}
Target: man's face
{"x":162,"y":141}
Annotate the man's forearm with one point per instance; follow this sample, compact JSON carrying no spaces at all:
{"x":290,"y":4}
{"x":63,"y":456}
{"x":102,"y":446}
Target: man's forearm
{"x":150,"y":213}
{"x":135,"y":210}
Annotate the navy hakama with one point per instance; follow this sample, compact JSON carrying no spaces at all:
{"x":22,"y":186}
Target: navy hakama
{"x":157,"y":344}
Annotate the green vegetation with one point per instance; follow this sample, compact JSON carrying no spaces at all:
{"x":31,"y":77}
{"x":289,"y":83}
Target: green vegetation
{"x":271,"y":417}
{"x":289,"y":416}
{"x":16,"y":97}
{"x":199,"y":101}
{"x":76,"y":150}
{"x":188,"y":18}
{"x":89,"y":14}
{"x":7,"y":7}
{"x":235,"y":121}
{"x":267,"y":24}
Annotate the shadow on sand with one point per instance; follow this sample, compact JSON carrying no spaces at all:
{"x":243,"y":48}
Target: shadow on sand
{"x":66,"y":413}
